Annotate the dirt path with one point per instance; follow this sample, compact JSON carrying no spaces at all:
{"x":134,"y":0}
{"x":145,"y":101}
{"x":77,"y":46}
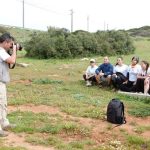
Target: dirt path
{"x":19,"y":140}
{"x":101,"y":131}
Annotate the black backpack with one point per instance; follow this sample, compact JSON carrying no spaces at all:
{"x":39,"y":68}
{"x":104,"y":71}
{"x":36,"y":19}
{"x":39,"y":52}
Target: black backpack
{"x":115,"y":112}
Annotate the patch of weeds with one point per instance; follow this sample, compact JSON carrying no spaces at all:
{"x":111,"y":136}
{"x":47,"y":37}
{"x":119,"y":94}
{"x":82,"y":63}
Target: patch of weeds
{"x":46,"y":81}
{"x":137,"y":142}
{"x":84,"y":111}
{"x":29,"y":122}
{"x":58,"y":143}
{"x":122,"y":130}
{"x":78,"y":96}
{"x":132,"y":123}
{"x":109,"y":126}
{"x":77,"y":145}
{"x":44,"y":123}
{"x":39,"y":140}
{"x":140,"y":111}
{"x":71,"y":127}
{"x":50,"y":128}
{"x":112,"y":145}
{"x":93,"y":113}
{"x":145,"y":100}
{"x":141,"y":129}
{"x":70,"y":74}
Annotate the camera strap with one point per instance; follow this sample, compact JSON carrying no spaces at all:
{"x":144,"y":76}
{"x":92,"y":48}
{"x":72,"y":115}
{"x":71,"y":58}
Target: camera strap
{"x":12,"y":66}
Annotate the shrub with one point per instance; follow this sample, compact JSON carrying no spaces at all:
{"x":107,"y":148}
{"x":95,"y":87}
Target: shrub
{"x":60,"y":43}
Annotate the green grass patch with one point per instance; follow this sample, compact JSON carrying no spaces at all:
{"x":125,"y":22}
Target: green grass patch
{"x":138,"y":143}
{"x":29,"y":122}
{"x":141,"y":129}
{"x":47,"y":81}
{"x":59,"y":143}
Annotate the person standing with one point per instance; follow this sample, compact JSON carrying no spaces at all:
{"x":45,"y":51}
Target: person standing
{"x":6,"y":42}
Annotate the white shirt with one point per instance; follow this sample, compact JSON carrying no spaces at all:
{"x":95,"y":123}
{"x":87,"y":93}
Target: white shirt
{"x":122,"y":69}
{"x":3,"y":54}
{"x":144,"y":73}
{"x":91,"y":70}
{"x":133,"y":72}
{"x":4,"y":70}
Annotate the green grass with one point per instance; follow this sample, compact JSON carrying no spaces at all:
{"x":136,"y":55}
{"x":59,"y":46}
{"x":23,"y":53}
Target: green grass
{"x":58,"y":83}
{"x":142,"y":129}
{"x":136,"y":142}
{"x":30,"y":123}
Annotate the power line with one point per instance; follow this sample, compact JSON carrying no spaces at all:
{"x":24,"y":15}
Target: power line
{"x":42,"y":8}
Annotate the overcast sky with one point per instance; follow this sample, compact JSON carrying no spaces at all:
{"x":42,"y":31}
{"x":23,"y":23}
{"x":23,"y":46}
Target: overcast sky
{"x":103,"y":14}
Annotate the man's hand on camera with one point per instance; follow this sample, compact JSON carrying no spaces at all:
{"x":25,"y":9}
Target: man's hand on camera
{"x":14,"y":47}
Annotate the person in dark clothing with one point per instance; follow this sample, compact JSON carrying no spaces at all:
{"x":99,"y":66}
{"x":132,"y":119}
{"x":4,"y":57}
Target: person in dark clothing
{"x":119,"y":73}
{"x":104,"y":72}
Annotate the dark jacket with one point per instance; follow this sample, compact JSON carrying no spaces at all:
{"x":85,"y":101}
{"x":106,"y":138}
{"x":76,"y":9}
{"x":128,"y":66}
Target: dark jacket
{"x":107,"y":69}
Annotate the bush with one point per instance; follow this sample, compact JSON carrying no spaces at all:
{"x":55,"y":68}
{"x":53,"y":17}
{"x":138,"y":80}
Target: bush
{"x":60,"y":43}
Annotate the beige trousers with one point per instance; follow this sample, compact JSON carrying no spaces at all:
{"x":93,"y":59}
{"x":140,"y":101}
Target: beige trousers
{"x":3,"y":106}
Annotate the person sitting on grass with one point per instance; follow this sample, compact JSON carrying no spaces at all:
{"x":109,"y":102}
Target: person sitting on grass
{"x":147,"y":86}
{"x":144,"y":73}
{"x":104,"y":72}
{"x":119,"y":73}
{"x":89,"y":75}
{"x":133,"y":71}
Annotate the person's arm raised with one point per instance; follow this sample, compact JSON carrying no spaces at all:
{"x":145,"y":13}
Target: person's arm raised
{"x":12,"y":58}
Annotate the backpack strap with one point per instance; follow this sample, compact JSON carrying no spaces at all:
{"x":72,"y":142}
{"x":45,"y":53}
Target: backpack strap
{"x":124,"y":118}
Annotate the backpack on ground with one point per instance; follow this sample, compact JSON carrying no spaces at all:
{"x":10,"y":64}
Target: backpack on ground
{"x":115,"y":112}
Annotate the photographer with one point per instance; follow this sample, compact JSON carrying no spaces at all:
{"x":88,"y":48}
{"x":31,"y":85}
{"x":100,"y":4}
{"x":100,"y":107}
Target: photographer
{"x":6,"y":43}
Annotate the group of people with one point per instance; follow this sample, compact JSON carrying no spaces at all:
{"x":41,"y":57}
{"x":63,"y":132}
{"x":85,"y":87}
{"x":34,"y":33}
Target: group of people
{"x":132,"y":78}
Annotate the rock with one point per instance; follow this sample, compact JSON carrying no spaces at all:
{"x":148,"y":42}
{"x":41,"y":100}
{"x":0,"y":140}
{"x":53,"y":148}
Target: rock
{"x":22,"y":64}
{"x":84,"y":59}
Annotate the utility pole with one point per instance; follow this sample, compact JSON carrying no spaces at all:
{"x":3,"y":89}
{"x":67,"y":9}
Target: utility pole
{"x":71,"y":20}
{"x":88,"y":23}
{"x":107,"y":27}
{"x":23,"y":13}
{"x":104,"y":26}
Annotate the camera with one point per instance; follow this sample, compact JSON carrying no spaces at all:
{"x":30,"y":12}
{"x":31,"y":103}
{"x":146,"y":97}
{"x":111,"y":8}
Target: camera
{"x":19,"y":47}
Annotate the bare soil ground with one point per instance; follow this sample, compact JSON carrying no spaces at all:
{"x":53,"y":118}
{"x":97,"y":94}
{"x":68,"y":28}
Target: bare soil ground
{"x":101,"y":130}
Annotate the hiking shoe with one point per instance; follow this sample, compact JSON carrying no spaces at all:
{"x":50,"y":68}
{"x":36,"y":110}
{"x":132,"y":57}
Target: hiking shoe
{"x":3,"y":133}
{"x":9,"y":126}
{"x":88,"y":83}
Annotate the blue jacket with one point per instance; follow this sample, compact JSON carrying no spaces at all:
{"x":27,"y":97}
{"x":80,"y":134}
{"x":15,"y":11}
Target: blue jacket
{"x":107,"y":69}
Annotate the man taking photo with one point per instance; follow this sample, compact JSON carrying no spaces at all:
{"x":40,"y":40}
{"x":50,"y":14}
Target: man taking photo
{"x":6,"y":43}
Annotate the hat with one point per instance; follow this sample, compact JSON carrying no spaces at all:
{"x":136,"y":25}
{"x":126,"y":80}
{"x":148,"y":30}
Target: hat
{"x":92,"y":60}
